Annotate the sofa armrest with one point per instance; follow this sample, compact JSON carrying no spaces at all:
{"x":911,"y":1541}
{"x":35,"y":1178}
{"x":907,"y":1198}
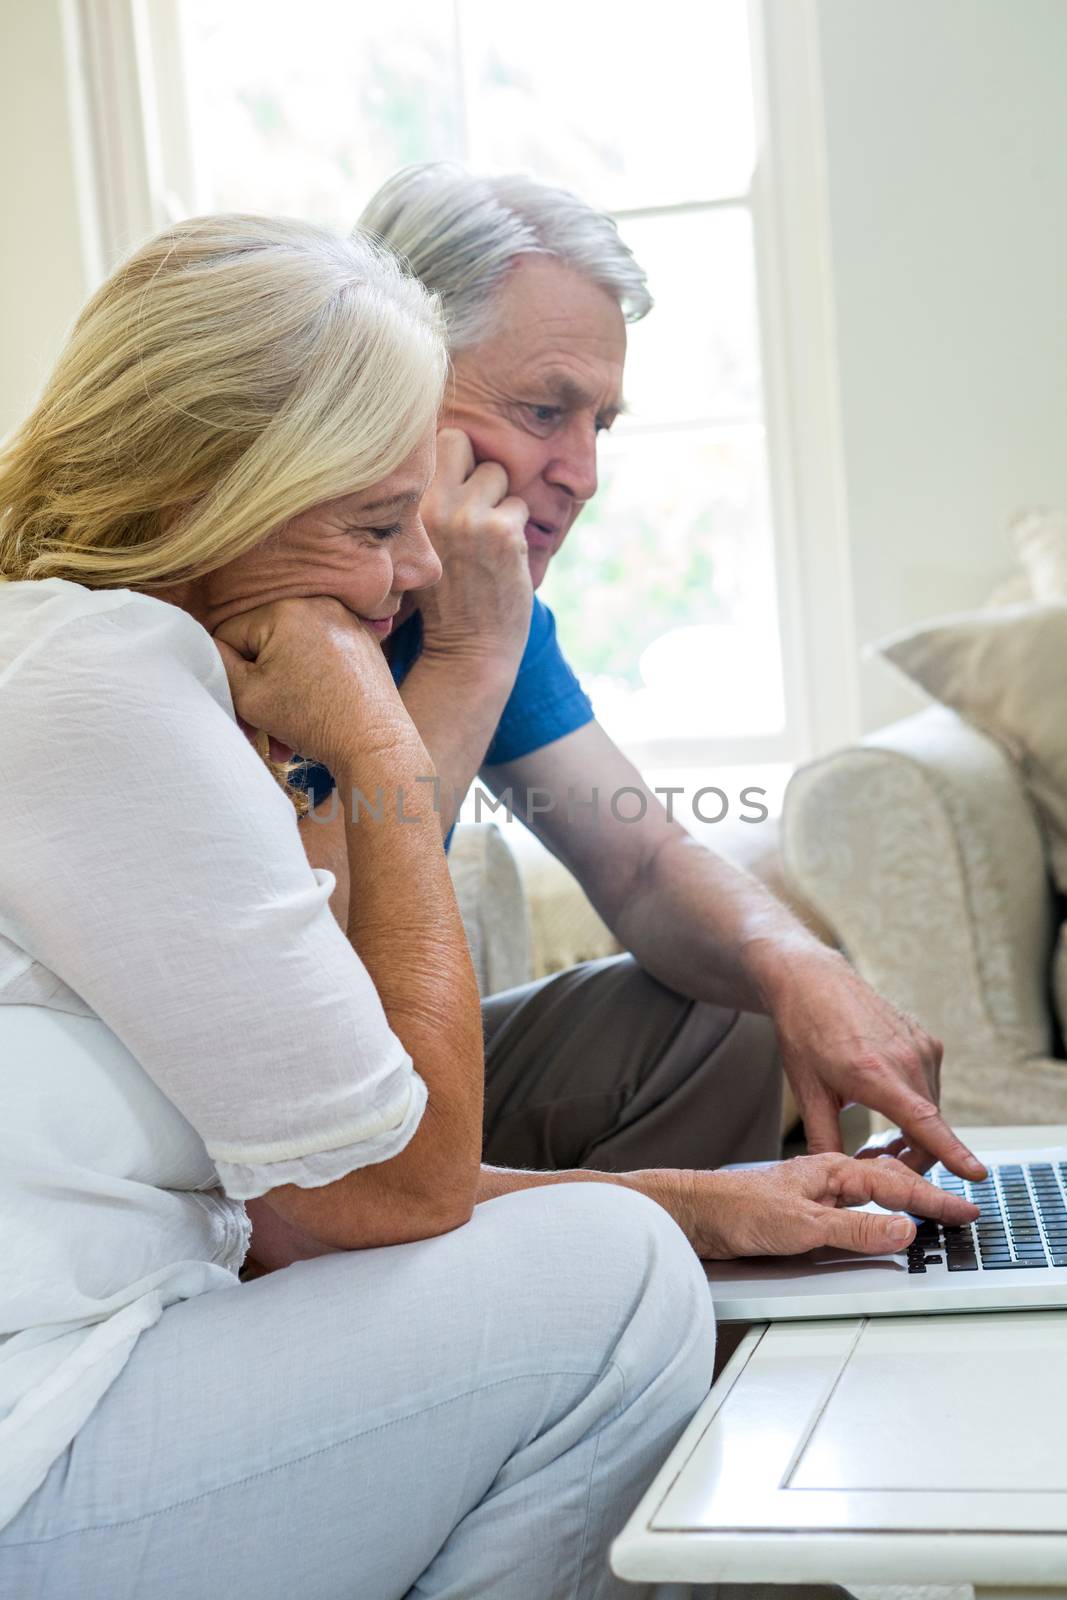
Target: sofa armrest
{"x":492,"y":903}
{"x":920,"y":848}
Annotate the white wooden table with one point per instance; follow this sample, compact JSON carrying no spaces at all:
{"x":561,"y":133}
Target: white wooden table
{"x":883,"y":1450}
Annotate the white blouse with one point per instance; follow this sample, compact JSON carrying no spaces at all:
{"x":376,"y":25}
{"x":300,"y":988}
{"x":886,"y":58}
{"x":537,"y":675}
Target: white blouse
{"x":183,"y":1025}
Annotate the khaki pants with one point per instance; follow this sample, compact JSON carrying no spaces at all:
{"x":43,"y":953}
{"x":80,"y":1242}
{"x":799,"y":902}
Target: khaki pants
{"x":602,"y":1067}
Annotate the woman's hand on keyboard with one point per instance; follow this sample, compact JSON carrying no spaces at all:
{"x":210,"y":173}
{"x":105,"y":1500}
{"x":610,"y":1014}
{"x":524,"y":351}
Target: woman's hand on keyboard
{"x":799,"y":1205}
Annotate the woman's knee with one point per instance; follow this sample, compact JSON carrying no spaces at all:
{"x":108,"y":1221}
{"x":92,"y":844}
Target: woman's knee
{"x":606,"y":1270}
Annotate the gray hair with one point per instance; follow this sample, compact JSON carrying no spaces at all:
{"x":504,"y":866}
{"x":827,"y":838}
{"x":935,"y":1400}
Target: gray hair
{"x":459,"y":233}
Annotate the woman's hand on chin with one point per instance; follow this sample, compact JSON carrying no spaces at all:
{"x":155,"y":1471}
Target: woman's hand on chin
{"x":314,"y":678}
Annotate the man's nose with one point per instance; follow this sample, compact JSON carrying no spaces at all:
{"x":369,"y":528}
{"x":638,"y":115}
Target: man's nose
{"x":417,"y":565}
{"x":573,"y":467}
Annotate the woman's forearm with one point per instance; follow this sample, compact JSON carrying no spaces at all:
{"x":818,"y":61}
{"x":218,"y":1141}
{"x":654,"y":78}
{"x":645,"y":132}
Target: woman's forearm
{"x":405,"y":926}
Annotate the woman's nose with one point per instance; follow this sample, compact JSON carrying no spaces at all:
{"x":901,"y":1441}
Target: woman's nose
{"x":417,"y":565}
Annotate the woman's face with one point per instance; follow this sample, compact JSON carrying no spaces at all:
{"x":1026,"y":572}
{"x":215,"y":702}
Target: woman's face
{"x":366,"y":550}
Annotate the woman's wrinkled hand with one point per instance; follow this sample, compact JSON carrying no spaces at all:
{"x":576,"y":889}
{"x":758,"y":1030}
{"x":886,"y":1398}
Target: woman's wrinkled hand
{"x":311,"y":676}
{"x":794,"y":1206}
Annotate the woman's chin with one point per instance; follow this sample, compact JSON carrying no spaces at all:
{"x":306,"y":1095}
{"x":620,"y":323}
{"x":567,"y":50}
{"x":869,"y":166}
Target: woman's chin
{"x":280,"y":753}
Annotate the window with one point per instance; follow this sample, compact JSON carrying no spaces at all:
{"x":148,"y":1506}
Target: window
{"x":667,"y":591}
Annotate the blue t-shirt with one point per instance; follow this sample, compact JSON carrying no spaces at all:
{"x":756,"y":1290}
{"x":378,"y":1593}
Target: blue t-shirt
{"x":546,"y":700}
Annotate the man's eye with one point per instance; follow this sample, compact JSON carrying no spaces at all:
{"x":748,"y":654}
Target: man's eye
{"x":544,"y":416}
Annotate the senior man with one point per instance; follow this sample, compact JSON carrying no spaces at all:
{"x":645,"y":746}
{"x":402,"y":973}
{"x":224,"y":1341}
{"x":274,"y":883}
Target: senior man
{"x":664,"y":1058}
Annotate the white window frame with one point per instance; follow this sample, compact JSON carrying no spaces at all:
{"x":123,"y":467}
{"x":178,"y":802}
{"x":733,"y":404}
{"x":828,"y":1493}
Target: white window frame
{"x":800,"y":371}
{"x":137,"y":140}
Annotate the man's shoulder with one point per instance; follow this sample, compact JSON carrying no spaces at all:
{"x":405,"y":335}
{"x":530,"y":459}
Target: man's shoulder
{"x":542,"y":634}
{"x":546,"y":702}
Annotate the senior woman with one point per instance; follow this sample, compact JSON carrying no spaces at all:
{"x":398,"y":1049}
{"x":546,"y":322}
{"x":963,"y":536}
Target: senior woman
{"x":205,"y":527}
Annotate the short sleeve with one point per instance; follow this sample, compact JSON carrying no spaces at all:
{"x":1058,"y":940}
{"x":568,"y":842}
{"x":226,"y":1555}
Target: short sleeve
{"x":152,"y":864}
{"x":546,"y":702}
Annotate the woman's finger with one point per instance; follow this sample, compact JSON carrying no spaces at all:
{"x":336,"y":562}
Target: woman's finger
{"x":891,"y":1184}
{"x":246,"y":632}
{"x":869,"y":1232}
{"x":232,"y":660}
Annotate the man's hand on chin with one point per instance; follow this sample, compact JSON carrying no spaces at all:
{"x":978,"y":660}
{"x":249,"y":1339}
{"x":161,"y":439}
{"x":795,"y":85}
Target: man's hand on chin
{"x":842,"y":1044}
{"x":480,"y":608}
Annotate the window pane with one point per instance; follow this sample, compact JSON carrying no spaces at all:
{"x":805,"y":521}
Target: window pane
{"x":664,"y":591}
{"x":629,"y":109}
{"x":307,"y":112}
{"x":696,"y":356}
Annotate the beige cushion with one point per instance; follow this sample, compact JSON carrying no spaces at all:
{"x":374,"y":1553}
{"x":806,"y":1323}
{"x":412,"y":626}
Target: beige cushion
{"x":492,"y":905}
{"x":1040,"y":538}
{"x":1005,"y":672}
{"x":1014,"y":591}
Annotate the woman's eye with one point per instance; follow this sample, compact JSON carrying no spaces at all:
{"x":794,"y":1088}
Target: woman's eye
{"x":375,"y":533}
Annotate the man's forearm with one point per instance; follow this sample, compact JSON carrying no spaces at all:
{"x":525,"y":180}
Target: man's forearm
{"x":455,"y":705}
{"x":711,"y":931}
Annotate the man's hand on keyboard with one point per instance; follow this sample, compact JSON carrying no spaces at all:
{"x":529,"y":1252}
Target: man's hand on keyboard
{"x":798,"y":1205}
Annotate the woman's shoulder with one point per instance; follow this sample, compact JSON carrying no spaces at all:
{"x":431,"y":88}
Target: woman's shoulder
{"x":102,"y":636}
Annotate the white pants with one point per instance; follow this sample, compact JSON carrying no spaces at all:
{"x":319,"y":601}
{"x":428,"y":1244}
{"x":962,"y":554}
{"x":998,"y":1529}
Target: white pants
{"x":474,"y":1415}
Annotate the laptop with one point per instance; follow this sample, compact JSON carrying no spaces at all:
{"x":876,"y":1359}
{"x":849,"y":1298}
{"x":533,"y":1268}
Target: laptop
{"x":1013,"y":1256}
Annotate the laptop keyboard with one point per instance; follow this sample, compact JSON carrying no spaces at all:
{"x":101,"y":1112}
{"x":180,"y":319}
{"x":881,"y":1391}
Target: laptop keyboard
{"x":1023,"y":1222}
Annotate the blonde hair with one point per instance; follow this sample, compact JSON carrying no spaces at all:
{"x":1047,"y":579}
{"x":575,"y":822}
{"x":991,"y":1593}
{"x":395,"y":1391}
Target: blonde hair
{"x":233,"y":372}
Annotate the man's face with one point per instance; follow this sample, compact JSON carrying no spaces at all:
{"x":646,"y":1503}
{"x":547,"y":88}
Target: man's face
{"x":535,"y":394}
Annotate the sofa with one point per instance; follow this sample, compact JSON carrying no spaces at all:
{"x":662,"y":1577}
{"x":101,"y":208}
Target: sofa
{"x":921,"y":849}
{"x":936,"y":849}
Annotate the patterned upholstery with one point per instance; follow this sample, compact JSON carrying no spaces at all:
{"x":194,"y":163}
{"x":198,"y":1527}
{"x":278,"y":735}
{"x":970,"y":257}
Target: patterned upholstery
{"x":920,"y":848}
{"x":492,"y":903}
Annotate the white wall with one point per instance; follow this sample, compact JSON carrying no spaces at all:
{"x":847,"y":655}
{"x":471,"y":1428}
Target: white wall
{"x":43,"y":279}
{"x":946,"y":153}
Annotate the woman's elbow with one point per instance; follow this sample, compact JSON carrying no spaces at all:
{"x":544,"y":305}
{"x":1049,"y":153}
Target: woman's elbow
{"x":361,"y":1216}
{"x":426,"y":1222}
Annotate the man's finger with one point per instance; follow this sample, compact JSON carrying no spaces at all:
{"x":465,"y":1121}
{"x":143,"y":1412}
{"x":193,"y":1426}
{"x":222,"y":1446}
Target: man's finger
{"x":926,"y":1128}
{"x":488,"y":483}
{"x":822,"y":1125}
{"x":900,"y":1148}
{"x":915,"y":1157}
{"x":516,"y":509}
{"x":455,"y":455}
{"x":889,"y":1143}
